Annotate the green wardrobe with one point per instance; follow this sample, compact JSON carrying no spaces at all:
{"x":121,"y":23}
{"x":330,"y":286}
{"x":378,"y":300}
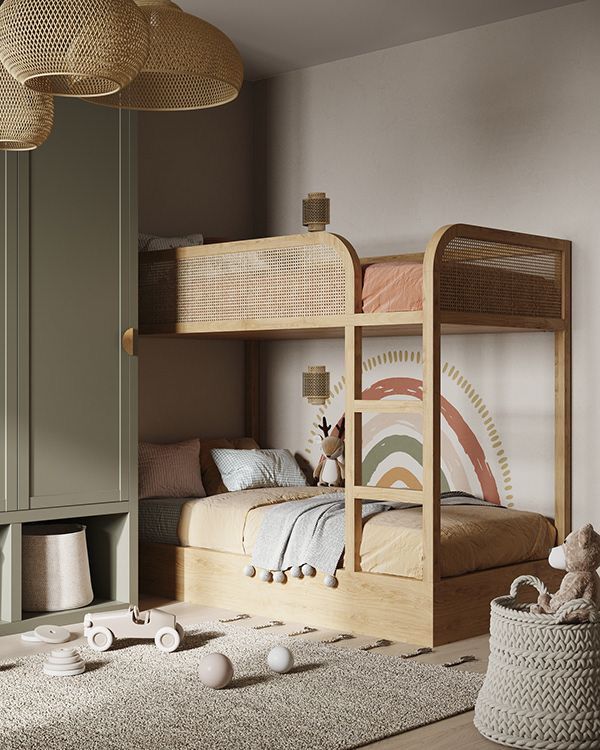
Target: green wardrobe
{"x":68,"y":291}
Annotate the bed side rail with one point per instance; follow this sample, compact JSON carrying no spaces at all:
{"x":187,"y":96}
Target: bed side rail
{"x":298,"y":276}
{"x":493,"y":271}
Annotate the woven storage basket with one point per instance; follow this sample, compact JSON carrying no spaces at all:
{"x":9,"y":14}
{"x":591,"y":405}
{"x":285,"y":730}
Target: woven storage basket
{"x":542,"y":688}
{"x":56,"y":568}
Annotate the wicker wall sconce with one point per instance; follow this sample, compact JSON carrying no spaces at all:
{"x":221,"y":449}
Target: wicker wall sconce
{"x":315,"y":212}
{"x":84,"y":48}
{"x":315,"y":385}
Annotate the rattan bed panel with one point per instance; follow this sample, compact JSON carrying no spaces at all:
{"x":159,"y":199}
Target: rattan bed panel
{"x":481,"y":276}
{"x":287,"y":282}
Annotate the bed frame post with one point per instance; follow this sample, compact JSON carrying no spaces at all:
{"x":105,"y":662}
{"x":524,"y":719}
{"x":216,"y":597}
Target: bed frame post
{"x":353,"y":453}
{"x":431,"y":413}
{"x":252,"y":390}
{"x":562,"y":406}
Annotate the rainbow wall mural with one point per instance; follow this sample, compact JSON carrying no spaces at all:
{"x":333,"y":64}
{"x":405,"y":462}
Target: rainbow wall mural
{"x":473,"y":458}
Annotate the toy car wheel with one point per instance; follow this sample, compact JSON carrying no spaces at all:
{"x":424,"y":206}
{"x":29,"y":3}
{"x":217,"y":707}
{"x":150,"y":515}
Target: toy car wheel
{"x":181,"y":631}
{"x":167,"y":640}
{"x":100,"y":638}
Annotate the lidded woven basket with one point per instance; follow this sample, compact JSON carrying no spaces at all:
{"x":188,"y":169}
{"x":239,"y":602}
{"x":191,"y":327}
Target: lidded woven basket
{"x":542,"y":688}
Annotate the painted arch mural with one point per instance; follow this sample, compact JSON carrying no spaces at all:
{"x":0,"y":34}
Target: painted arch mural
{"x":473,"y":458}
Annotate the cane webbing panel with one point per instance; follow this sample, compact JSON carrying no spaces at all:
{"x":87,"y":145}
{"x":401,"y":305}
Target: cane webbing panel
{"x":301,"y":281}
{"x":479,"y":276}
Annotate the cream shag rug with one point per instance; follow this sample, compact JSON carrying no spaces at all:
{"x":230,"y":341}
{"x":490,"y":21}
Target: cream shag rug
{"x":137,"y":697}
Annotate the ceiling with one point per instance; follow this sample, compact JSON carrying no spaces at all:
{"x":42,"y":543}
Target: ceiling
{"x":275,"y":36}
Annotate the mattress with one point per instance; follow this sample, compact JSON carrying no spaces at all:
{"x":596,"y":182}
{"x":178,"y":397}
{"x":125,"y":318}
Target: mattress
{"x":397,"y":286}
{"x":472,"y":537}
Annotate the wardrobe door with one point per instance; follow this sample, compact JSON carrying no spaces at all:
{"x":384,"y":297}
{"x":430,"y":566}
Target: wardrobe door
{"x":10,"y":234}
{"x":81,"y":274}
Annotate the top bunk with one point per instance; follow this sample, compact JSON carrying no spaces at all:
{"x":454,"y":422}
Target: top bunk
{"x":469,"y":279}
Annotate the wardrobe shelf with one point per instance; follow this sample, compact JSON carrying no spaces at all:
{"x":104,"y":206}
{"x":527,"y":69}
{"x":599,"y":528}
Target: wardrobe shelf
{"x":65,"y":617}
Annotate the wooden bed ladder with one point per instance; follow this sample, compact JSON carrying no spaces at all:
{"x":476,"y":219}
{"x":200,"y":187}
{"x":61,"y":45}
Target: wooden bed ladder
{"x":429,"y":407}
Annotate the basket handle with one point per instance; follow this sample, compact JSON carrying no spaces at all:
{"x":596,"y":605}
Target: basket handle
{"x":576,"y":605}
{"x":527,"y":581}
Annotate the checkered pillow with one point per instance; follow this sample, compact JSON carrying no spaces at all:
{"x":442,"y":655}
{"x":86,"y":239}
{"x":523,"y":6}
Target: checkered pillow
{"x":244,"y":470}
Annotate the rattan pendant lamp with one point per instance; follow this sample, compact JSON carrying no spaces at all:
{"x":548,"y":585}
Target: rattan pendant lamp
{"x":26,"y":117}
{"x":191,"y":64}
{"x":84,"y":48}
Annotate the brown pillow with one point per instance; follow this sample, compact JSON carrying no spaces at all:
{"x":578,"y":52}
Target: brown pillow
{"x":170,"y":470}
{"x":211,"y":476}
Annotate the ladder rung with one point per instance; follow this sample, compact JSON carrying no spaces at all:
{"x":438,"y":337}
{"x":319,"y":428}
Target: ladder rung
{"x":392,"y":494}
{"x":404,"y":318}
{"x":390,"y":406}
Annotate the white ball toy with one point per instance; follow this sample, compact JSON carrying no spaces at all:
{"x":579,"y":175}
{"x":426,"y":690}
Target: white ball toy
{"x":330,"y":581}
{"x":279,"y":576}
{"x":215,"y":671}
{"x":280,"y":659}
{"x":266,"y":576}
{"x":308,"y":570}
{"x":296,"y":572}
{"x":249,"y":570}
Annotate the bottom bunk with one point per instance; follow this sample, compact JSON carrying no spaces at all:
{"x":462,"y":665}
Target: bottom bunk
{"x":402,"y":609}
{"x":196,"y":550}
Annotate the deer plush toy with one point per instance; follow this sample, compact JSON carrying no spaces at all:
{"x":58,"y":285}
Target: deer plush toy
{"x":580,"y":557}
{"x":330,"y":469}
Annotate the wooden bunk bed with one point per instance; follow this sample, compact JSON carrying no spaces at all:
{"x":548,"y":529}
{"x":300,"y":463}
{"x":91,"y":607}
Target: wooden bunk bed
{"x":474,"y":280}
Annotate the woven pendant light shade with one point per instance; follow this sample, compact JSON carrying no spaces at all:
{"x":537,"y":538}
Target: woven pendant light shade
{"x":191,"y":64}
{"x":26,"y":117}
{"x":73,"y":47}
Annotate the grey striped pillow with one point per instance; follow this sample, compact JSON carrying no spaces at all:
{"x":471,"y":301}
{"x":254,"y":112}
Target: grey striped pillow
{"x":170,"y":470}
{"x":244,"y":470}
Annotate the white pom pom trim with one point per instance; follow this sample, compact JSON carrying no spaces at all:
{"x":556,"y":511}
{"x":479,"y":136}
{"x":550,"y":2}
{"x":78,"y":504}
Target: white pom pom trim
{"x":266,"y":576}
{"x":249,"y":570}
{"x":308,"y":570}
{"x":330,"y":581}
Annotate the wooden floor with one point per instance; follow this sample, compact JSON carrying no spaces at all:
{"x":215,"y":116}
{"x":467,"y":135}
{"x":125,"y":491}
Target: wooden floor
{"x":450,"y":734}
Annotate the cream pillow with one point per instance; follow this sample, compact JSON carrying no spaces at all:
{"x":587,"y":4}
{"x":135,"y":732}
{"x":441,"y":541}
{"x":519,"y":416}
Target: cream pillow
{"x":170,"y":470}
{"x":244,"y":470}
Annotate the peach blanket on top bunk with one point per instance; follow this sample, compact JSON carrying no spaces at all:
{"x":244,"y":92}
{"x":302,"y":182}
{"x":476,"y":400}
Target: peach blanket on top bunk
{"x":472,"y":538}
{"x":397,"y":286}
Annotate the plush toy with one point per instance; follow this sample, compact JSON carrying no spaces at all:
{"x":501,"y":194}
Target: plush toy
{"x":330,"y":469}
{"x":580,"y":557}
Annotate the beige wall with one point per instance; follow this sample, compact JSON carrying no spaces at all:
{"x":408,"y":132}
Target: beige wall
{"x":498,"y":125}
{"x":190,"y":389}
{"x":195,"y":171}
{"x":194,"y":176}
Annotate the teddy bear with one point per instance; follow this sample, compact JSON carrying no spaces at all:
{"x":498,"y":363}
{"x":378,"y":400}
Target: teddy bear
{"x":579,"y":555}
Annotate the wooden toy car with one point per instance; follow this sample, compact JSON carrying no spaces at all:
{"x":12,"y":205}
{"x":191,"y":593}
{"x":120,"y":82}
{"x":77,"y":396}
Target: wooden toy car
{"x":101,"y":628}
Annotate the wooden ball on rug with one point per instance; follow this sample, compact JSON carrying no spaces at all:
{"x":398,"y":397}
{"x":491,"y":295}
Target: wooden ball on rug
{"x":280,"y":659}
{"x":249,"y":570}
{"x":215,"y":671}
{"x":308,"y":570}
{"x":296,"y":571}
{"x":266,"y":576}
{"x":279,"y":576}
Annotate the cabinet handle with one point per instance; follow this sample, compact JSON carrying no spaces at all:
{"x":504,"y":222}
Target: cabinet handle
{"x":129,"y":342}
